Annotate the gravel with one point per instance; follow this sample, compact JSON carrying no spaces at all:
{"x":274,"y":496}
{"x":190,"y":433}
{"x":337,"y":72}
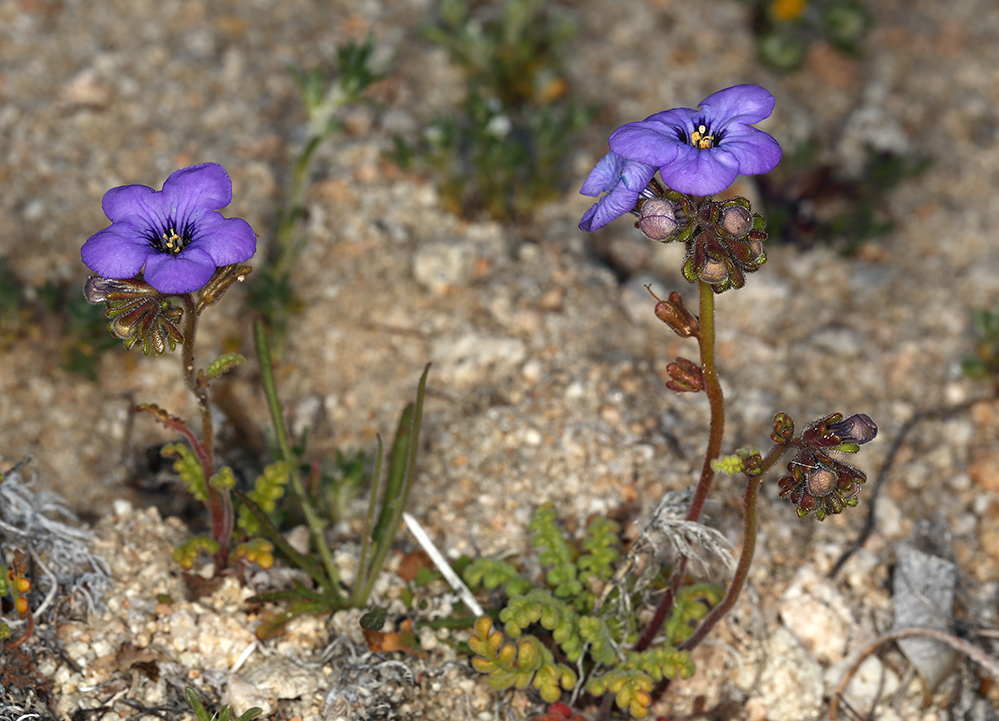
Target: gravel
{"x":547,"y":383}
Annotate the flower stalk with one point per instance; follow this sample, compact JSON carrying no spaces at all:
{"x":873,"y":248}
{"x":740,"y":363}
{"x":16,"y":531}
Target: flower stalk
{"x":696,"y":154}
{"x":163,"y":247}
{"x":219,"y":500}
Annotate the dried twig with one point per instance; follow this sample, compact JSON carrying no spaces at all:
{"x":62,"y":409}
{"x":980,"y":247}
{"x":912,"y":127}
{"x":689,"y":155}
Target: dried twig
{"x":973,"y":652}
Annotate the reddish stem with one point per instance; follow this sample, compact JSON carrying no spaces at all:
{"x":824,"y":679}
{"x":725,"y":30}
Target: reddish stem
{"x":716,"y":402}
{"x":24,"y":636}
{"x":219,"y":501}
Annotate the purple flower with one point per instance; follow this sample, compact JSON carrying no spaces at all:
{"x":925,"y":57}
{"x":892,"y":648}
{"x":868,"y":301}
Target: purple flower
{"x":174,"y":236}
{"x":700,"y":152}
{"x":623,"y":180}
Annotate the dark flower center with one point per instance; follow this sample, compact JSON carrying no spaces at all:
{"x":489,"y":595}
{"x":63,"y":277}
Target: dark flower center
{"x":701,"y":138}
{"x":170,"y":241}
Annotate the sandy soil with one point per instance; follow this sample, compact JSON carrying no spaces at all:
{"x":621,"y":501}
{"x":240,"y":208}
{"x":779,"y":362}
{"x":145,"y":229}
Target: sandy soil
{"x":548,"y":373}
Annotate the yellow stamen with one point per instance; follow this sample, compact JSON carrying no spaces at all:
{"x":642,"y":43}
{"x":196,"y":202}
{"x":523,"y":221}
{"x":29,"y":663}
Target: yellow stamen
{"x":699,"y":140}
{"x":173,"y":241}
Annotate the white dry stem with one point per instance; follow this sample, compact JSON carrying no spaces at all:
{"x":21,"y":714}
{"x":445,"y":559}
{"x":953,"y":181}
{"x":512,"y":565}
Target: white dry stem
{"x":442,"y":565}
{"x":29,"y":520}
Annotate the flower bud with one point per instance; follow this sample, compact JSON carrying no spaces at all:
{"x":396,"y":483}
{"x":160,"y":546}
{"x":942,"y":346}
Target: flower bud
{"x":686,"y":376}
{"x":674,"y":314}
{"x":713,"y":271}
{"x":658,"y":220}
{"x":858,"y":428}
{"x":224,"y":276}
{"x":736,"y":220}
{"x":783,"y":428}
{"x":833,"y":431}
{"x":101,"y":290}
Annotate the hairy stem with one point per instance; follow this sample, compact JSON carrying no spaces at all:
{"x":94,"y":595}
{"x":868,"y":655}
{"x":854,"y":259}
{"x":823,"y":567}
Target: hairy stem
{"x":712,"y":388}
{"x":219,"y":501}
{"x":316,"y":526}
{"x":191,"y":379}
{"x":741,"y":571}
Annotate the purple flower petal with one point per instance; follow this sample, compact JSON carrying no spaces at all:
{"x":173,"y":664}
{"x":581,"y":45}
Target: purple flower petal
{"x":604,"y":176}
{"x":702,"y":151}
{"x":116,"y":252}
{"x":586,"y":223}
{"x":608,"y":208}
{"x":182,"y":273}
{"x":700,"y":172}
{"x":176,"y":237}
{"x":128,"y":200}
{"x":226,"y":240}
{"x":756,"y":152}
{"x":205,"y":186}
{"x":741,"y":104}
{"x":653,"y":141}
{"x":623,"y":181}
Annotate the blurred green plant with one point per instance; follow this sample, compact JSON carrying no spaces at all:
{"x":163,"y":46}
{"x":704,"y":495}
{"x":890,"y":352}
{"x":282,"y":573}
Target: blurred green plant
{"x":807,"y":202}
{"x":224,"y":714}
{"x":389,"y":495}
{"x":514,"y":48}
{"x":984,"y":364}
{"x":334,"y":485}
{"x":504,"y":150}
{"x":581,"y":615}
{"x":62,"y":313}
{"x":272,"y":294}
{"x":786,"y":28}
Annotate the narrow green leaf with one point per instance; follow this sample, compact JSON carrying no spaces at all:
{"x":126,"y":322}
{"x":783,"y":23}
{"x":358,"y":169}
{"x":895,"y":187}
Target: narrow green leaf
{"x":195,"y":703}
{"x":408,"y":440}
{"x":398,"y":456}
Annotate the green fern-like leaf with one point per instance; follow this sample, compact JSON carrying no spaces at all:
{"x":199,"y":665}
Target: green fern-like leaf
{"x":189,"y":468}
{"x":659,"y":663}
{"x":552,"y":678}
{"x":224,"y":478}
{"x":223,"y":364}
{"x":692,"y":604}
{"x":187,"y":552}
{"x":631,"y":681}
{"x":490,"y":573}
{"x":267,"y":490}
{"x":601,"y":546}
{"x":485,"y":640}
{"x":540,"y":606}
{"x":631,"y":688}
{"x":558,"y":553}
{"x":517,"y":664}
{"x":603,"y":645}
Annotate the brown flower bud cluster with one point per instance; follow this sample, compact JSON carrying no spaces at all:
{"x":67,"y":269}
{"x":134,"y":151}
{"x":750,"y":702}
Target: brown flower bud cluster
{"x":138,"y":313}
{"x":724,"y":239}
{"x":815,"y":481}
{"x":726,"y":244}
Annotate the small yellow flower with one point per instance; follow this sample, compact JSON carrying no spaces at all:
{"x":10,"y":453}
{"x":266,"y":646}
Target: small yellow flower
{"x":784,"y":11}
